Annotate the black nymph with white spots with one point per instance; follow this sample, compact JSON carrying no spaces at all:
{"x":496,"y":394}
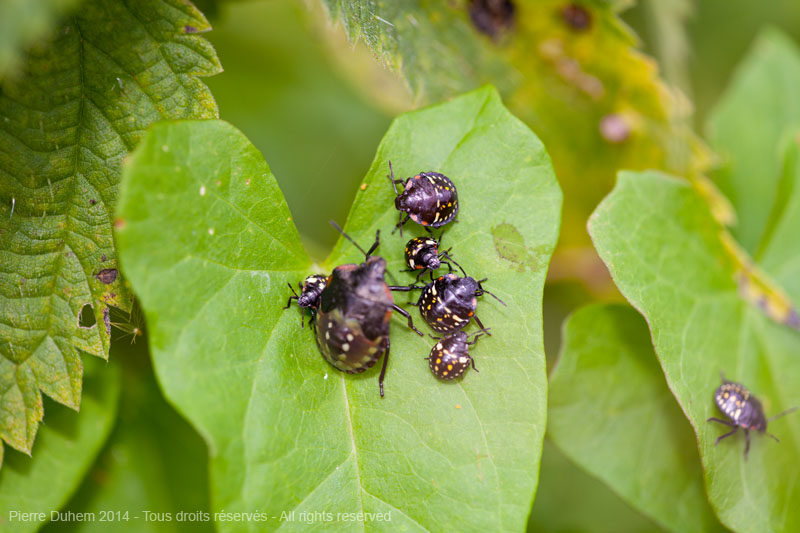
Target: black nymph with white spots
{"x":450,"y":357}
{"x":743,"y":410}
{"x":423,"y":255}
{"x":310,"y":293}
{"x":354,"y":312}
{"x":448,"y":303}
{"x":429,"y":199}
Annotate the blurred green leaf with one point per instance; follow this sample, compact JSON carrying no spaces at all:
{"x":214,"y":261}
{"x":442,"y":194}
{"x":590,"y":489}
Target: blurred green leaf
{"x":287,"y":431}
{"x":82,"y":102}
{"x":569,"y":500}
{"x":570,"y":70}
{"x":23,"y":23}
{"x":664,"y":251}
{"x":66,"y":447}
{"x":154,"y":461}
{"x":750,"y":127}
{"x":607,"y":394}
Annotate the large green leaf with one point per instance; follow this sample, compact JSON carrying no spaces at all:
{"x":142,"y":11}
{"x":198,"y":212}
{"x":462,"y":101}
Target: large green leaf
{"x":287,"y":431}
{"x":64,"y":452}
{"x":22,"y":23}
{"x":607,"y":394}
{"x":81,"y":103}
{"x":663,"y":249}
{"x":750,"y":127}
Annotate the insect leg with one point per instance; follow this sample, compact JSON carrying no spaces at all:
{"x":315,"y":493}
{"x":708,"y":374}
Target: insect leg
{"x":410,"y":321}
{"x":383,"y":368}
{"x":714,"y":419}
{"x":728,"y":434}
{"x":480,"y":325}
{"x":400,"y":222}
{"x":747,"y":440}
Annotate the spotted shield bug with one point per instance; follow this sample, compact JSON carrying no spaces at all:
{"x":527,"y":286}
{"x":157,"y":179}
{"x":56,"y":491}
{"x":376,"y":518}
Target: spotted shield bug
{"x":448,"y":303}
{"x":310,"y":292}
{"x":423,"y":255}
{"x":354,"y":312}
{"x":429,"y":199}
{"x":450,"y":357}
{"x":743,"y":411}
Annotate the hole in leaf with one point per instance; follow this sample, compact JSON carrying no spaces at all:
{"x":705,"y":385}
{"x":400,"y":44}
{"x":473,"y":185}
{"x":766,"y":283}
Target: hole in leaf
{"x":86,"y":318}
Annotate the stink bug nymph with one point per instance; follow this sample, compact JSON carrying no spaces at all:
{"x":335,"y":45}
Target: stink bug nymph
{"x":423,"y":255}
{"x":450,"y":357}
{"x":354,"y":312}
{"x":310,"y":292}
{"x":448,"y":303}
{"x":743,"y":411}
{"x":429,"y":199}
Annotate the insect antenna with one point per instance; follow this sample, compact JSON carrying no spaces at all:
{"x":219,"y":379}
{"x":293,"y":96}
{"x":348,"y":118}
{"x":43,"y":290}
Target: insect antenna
{"x":349,"y":238}
{"x":482,"y":291}
{"x":773,"y":436}
{"x":784,"y":413}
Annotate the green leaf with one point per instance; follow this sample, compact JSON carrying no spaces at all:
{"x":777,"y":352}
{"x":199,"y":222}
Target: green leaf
{"x":23,"y":23}
{"x":286,"y":430}
{"x":65,"y":126}
{"x":607,"y":394}
{"x":66,"y":447}
{"x":562,"y":485}
{"x":664,"y":251}
{"x":153,"y":461}
{"x":762,"y":102}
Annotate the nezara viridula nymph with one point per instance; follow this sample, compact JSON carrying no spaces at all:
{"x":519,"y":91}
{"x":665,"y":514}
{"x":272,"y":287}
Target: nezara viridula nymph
{"x":310,"y":293}
{"x":354,"y":313}
{"x":450,"y":356}
{"x":448,"y":303}
{"x":743,"y":411}
{"x":429,"y":199}
{"x":423,"y":255}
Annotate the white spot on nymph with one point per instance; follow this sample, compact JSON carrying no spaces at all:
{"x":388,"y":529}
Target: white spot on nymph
{"x":342,"y":357}
{"x":202,"y":190}
{"x":372,"y":350}
{"x":366,"y":359}
{"x":463,"y":360}
{"x":346,"y":347}
{"x":736,"y":414}
{"x":436,"y":217}
{"x":350,"y":337}
{"x":211,"y":231}
{"x":327,"y":335}
{"x":439,"y":346}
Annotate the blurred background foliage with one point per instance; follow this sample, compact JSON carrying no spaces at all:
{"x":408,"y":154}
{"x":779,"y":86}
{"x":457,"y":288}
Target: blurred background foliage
{"x":316,"y":106}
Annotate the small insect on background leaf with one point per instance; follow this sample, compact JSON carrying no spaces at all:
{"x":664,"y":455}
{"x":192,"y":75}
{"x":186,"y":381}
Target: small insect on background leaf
{"x":288,"y":432}
{"x":611,"y":412}
{"x":663,"y":249}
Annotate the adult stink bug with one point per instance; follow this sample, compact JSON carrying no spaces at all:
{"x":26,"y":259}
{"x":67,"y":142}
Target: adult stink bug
{"x":449,"y":302}
{"x":423,"y":255}
{"x":744,"y":411}
{"x":429,"y":199}
{"x":310,"y":292}
{"x":354,"y":312}
{"x":450,"y":357}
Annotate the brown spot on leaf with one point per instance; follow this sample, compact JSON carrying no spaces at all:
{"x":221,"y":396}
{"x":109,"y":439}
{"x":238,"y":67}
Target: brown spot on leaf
{"x":189,"y":29}
{"x":103,"y":258}
{"x":492,"y":17}
{"x":107,"y":275}
{"x":92,"y":201}
{"x":119,"y":223}
{"x":576,"y":17}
